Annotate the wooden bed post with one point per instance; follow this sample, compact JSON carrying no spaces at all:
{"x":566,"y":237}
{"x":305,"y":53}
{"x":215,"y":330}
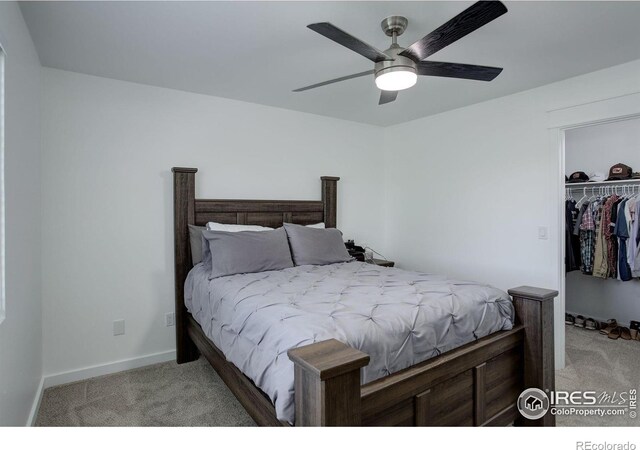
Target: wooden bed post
{"x":330,"y":200}
{"x":327,"y":384}
{"x":534,"y":310}
{"x":184,"y":196}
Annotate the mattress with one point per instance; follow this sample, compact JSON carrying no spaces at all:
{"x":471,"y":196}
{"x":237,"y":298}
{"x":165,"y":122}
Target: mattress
{"x":399,"y":318}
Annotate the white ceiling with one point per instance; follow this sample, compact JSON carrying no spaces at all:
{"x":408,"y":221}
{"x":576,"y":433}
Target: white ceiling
{"x":259,"y":51}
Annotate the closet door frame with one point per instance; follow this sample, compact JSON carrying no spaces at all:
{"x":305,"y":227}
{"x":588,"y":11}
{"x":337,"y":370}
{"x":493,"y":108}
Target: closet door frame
{"x":560,"y":120}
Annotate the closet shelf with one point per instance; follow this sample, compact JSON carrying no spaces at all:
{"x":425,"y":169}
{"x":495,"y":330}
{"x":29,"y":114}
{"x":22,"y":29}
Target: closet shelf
{"x":634,"y":181}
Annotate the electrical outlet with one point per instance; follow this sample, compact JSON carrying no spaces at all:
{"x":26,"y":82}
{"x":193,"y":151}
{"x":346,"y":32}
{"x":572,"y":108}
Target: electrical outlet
{"x":170,"y":319}
{"x":118,"y":327}
{"x":543,"y":233}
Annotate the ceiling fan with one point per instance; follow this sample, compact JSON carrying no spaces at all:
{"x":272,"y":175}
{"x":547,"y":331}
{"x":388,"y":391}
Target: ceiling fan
{"x":397,"y":68}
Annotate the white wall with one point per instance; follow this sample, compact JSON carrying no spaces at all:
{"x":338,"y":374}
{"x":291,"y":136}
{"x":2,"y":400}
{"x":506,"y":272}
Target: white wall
{"x":597,"y":148}
{"x":468,"y":189}
{"x":108,"y":147}
{"x":21,"y":331}
{"x":465,"y":193}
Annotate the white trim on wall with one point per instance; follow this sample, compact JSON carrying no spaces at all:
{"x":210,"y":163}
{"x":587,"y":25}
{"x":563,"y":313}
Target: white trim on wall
{"x":3,"y":57}
{"x":72,"y":376}
{"x":33,"y":414}
{"x":106,"y":369}
{"x":592,"y":113}
{"x":557,"y":142}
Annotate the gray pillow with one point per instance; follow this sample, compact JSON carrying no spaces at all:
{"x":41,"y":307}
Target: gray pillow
{"x":195,"y":239}
{"x":316,"y":245}
{"x":247,"y":251}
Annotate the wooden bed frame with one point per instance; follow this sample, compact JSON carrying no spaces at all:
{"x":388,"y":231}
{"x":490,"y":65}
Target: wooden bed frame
{"x":475,"y":385}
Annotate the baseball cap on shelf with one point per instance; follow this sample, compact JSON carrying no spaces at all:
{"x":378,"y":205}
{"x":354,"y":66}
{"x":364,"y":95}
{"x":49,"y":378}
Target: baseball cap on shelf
{"x":578,"y":177}
{"x":596,"y":177}
{"x":620,"y":172}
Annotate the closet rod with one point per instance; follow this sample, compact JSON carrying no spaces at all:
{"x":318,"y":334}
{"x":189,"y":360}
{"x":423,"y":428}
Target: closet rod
{"x":605,"y":188}
{"x":632,"y":182}
{"x":600,"y":189}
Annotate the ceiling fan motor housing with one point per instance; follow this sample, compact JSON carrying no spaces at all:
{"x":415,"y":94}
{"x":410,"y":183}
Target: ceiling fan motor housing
{"x":399,"y":63}
{"x":394,"y":25}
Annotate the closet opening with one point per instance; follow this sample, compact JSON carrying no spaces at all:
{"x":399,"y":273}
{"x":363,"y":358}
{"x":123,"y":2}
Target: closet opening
{"x":602,"y":253}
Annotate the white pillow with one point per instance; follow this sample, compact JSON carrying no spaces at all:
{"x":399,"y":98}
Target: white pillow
{"x":317,"y":225}
{"x":215,"y":226}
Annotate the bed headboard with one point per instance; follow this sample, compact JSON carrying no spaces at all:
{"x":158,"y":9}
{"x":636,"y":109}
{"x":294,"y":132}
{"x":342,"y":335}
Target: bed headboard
{"x":188,"y":210}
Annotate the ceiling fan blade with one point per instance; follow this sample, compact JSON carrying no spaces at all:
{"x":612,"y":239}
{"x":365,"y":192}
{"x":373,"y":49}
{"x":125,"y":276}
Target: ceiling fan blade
{"x":387,"y":97}
{"x":472,"y":18}
{"x":454,"y":70}
{"x":335,"y":80}
{"x":352,"y":43}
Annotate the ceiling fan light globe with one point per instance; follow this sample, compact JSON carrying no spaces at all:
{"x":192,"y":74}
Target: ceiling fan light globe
{"x":396,"y":80}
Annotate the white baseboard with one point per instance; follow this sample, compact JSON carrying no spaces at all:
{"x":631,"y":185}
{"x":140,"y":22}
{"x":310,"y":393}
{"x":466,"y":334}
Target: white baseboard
{"x":93,"y":371}
{"x":33,"y":414}
{"x":106,"y":369}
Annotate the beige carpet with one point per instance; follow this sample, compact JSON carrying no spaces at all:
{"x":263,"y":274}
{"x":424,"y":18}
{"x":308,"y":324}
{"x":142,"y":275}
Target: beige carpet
{"x":595,"y":362}
{"x":192,"y":394}
{"x":164,"y":394}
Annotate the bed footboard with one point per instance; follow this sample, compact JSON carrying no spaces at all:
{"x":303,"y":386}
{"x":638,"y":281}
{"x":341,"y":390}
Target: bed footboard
{"x":327,"y":384}
{"x":474,"y":385}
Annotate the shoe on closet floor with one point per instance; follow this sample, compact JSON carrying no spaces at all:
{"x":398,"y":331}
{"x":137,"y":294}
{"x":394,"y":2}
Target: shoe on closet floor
{"x":634,"y":329}
{"x":625,"y":333}
{"x":569,"y":319}
{"x":579,"y":321}
{"x":591,"y":324}
{"x":620,"y":332}
{"x":614,"y":333}
{"x":605,"y":328}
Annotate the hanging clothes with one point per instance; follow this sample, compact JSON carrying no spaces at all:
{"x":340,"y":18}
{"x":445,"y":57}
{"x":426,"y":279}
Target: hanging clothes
{"x":600,"y":260}
{"x":635,"y":236}
{"x":603,"y":236}
{"x":610,"y":208}
{"x":622,"y":232}
{"x":587,"y":238}
{"x":572,"y":242}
